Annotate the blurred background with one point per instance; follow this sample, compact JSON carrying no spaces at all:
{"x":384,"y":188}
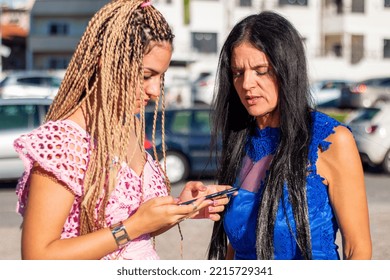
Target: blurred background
{"x":348,"y":53}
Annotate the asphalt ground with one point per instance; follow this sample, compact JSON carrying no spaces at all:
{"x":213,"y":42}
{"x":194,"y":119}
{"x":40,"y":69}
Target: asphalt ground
{"x":196,"y":233}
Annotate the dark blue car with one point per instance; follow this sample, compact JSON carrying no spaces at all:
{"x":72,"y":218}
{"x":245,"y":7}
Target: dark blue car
{"x":187,"y":140}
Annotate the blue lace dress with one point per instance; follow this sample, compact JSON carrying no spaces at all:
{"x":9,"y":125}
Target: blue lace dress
{"x":241,"y":213}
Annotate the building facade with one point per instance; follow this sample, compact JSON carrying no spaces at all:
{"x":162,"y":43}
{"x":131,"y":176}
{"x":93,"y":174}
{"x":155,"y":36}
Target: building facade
{"x":14,"y":26}
{"x":55,"y":30}
{"x":344,"y":38}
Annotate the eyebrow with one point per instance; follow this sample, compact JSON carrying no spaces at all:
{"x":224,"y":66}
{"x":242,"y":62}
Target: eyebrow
{"x":253,"y":67}
{"x":151,"y":70}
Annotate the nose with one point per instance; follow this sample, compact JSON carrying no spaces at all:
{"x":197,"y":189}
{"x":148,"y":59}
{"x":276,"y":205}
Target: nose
{"x":249,"y":80}
{"x":153,"y":88}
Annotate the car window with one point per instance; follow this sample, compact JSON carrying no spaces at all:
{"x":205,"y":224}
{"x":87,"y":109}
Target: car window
{"x":365,"y":115}
{"x":36,"y":81}
{"x":377,"y":82}
{"x":18,"y":116}
{"x":201,"y":122}
{"x":55,"y":82}
{"x":181,"y":122}
{"x":386,"y":82}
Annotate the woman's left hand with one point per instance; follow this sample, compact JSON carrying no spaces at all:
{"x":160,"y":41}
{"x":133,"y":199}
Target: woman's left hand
{"x":196,"y":189}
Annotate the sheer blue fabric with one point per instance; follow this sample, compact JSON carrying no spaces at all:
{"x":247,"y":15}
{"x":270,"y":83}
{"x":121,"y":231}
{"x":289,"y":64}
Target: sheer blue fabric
{"x":241,"y":213}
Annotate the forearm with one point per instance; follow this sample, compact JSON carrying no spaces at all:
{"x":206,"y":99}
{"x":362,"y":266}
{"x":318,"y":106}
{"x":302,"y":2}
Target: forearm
{"x":91,"y":246}
{"x":357,"y":252}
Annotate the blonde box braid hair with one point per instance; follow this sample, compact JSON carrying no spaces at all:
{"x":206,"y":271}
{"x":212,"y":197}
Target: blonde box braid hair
{"x":110,"y":54}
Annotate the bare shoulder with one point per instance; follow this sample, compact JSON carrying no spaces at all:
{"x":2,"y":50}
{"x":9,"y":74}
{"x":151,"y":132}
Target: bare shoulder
{"x":342,"y":139}
{"x":342,"y":156}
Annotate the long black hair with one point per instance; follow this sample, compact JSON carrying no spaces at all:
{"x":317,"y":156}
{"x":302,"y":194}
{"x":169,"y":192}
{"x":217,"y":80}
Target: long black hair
{"x":280,"y":41}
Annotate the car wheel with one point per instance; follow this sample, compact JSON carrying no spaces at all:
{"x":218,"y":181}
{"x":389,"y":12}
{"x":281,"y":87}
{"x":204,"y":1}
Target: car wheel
{"x":177,"y":167}
{"x":386,"y":163}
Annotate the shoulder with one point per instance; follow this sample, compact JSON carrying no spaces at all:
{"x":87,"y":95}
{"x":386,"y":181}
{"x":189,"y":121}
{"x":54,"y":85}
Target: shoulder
{"x":60,"y":148}
{"x":54,"y":131}
{"x":340,"y":159}
{"x":323,"y":129}
{"x":342,"y":135}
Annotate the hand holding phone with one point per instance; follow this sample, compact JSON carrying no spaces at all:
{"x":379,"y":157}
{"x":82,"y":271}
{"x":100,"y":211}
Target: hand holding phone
{"x":212,"y":195}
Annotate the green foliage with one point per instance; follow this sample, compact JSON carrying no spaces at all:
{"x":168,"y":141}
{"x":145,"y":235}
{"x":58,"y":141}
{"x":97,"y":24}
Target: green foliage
{"x":339,"y":115}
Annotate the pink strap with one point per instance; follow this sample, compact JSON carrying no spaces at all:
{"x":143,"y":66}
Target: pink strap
{"x":145,"y":4}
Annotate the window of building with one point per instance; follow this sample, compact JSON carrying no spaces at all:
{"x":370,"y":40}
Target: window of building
{"x":58,"y":29}
{"x":245,"y":3}
{"x":58,"y":62}
{"x":357,"y":6}
{"x":386,"y":48}
{"x":293,"y":2}
{"x":204,"y":42}
{"x":387,"y":3}
{"x":334,"y":6}
{"x":357,"y":46}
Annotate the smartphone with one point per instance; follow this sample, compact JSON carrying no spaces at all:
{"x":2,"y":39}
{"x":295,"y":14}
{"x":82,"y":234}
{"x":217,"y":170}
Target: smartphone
{"x":216,"y":194}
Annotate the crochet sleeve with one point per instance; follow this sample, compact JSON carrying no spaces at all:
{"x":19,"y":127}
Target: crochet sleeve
{"x":59,"y":148}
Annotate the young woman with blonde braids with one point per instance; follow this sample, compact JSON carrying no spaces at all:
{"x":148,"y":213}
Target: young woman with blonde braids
{"x":90,"y":190}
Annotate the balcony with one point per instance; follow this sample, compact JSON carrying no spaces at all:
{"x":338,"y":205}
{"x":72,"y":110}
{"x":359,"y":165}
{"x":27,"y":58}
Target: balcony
{"x":72,"y":8}
{"x":53,"y":43}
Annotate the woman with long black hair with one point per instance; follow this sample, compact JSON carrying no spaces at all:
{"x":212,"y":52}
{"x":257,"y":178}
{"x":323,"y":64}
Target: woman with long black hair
{"x":299,"y":171}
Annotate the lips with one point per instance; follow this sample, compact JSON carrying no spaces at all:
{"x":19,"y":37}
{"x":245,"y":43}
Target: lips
{"x":252,"y":100}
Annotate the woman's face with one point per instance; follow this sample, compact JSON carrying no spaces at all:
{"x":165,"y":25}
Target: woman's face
{"x":156,"y":63}
{"x":255,"y":84}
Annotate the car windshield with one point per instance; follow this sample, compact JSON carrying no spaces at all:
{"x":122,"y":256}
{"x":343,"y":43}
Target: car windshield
{"x":377,"y":82}
{"x":366,"y":115}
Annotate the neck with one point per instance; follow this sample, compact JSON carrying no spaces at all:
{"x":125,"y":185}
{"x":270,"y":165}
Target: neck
{"x":270,"y":119}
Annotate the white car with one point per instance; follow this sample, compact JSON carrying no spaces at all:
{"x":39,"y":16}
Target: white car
{"x":203,"y":88}
{"x":25,"y":84}
{"x":371,"y":129}
{"x":17,"y":116}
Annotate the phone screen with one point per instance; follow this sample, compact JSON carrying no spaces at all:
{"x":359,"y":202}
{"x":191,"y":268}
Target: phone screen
{"x":212,"y":195}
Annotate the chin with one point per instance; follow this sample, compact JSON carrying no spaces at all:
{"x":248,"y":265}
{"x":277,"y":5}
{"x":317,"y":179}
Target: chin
{"x":255,"y":112}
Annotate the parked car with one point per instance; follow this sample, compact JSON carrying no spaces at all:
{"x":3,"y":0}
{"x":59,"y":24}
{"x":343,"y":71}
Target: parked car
{"x":326,"y":93}
{"x":367,"y":93}
{"x":27,"y":84}
{"x":371,"y":129}
{"x":17,"y":116}
{"x":187,"y":140}
{"x":203,"y":88}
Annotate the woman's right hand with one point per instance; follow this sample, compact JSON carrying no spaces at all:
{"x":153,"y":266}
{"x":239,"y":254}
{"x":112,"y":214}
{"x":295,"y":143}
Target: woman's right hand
{"x":160,"y":212}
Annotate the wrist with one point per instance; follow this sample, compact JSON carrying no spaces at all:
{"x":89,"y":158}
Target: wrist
{"x":133,"y":227}
{"x":120,"y":234}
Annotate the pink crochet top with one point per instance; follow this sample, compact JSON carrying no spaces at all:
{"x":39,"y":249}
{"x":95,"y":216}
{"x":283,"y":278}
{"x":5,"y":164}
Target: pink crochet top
{"x":62,"y":148}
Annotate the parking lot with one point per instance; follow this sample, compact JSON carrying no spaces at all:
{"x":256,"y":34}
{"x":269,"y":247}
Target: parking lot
{"x":197,"y":233}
